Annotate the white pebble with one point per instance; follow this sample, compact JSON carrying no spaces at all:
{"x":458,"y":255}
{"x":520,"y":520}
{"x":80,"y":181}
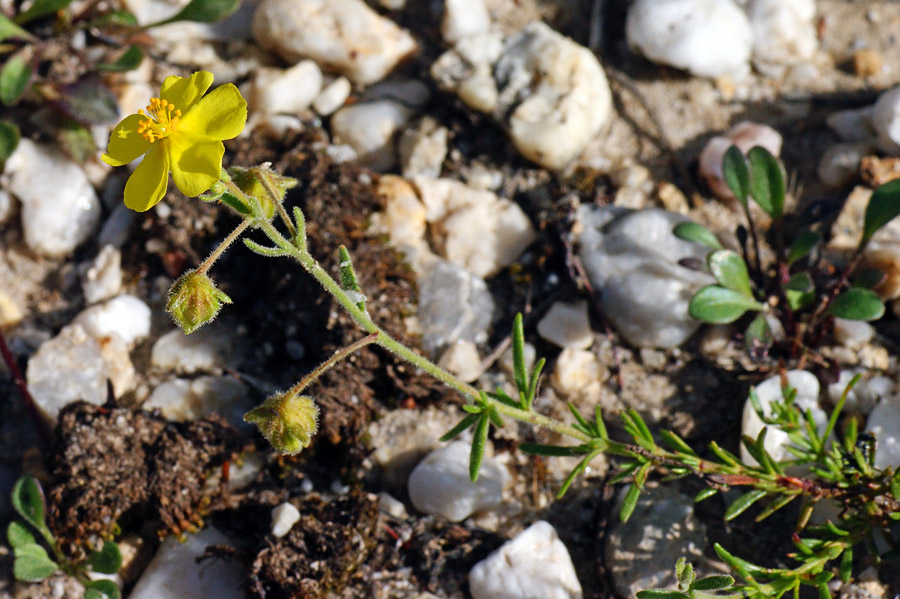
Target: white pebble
{"x":286,"y":91}
{"x":463,"y":18}
{"x":423,"y":148}
{"x":745,"y":135}
{"x":403,"y":217}
{"x":852,"y":333}
{"x":190,"y":399}
{"x":102,"y":278}
{"x":333,"y":96}
{"x":884,"y":423}
{"x":462,"y":359}
{"x":709,"y":38}
{"x":783,"y":31}
{"x":885,"y":120}
{"x":125,"y":316}
{"x":392,"y":506}
{"x":440,"y":484}
{"x":567,"y":325}
{"x":202,"y":350}
{"x":534,"y":565}
{"x":284,"y":516}
{"x":344,"y":35}
{"x":839,"y":165}
{"x":578,"y":373}
{"x":60,"y":208}
{"x":369,"y":128}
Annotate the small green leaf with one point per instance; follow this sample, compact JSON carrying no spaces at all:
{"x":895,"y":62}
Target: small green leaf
{"x":895,"y":485}
{"x":705,"y":494}
{"x":9,"y":30}
{"x":127,"y":61}
{"x":719,"y":305}
{"x":800,"y":291}
{"x":116,"y":18}
{"x":9,"y":139}
{"x":743,"y":502}
{"x":520,"y":372}
{"x":684,"y":572}
{"x":660,"y":594}
{"x":766,"y":181}
{"x":857,"y":303}
{"x":736,"y":174}
{"x":479,"y":442}
{"x":758,"y":334}
{"x":630,"y":502}
{"x":40,"y":8}
{"x":14,"y":77}
{"x":578,"y":469}
{"x":32,"y":563}
{"x":463,"y":424}
{"x":713,"y":583}
{"x":675,"y":442}
{"x":101,"y":589}
{"x":869,"y":278}
{"x":108,"y":560}
{"x":18,"y":534}
{"x":554,"y":450}
{"x":202,"y":11}
{"x":349,"y":282}
{"x":28,"y":501}
{"x":691,"y":231}
{"x":730,"y":271}
{"x":883,"y":206}
{"x":802,"y":245}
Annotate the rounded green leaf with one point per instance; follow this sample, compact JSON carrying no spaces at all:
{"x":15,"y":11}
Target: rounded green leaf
{"x":28,"y":501}
{"x":691,"y":231}
{"x":868,"y":277}
{"x":108,"y":560}
{"x":730,"y":271}
{"x":203,"y":11}
{"x":14,"y":77}
{"x":766,"y":181}
{"x":800,"y":291}
{"x":40,"y":8}
{"x":9,"y":139}
{"x":127,"y":61}
{"x":883,"y":206}
{"x":101,"y":589}
{"x":32,"y":563}
{"x":758,"y":334}
{"x":8,"y":30}
{"x":719,"y":305}
{"x":857,"y":303}
{"x":18,"y":534}
{"x":803,"y":244}
{"x":736,"y":174}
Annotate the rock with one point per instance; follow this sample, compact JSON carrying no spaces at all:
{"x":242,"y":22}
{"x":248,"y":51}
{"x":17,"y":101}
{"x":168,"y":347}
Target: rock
{"x":191,"y":399}
{"x":852,"y":125}
{"x":285,"y":91}
{"x":10,"y":311}
{"x":343,"y":35}
{"x":534,"y":565}
{"x":640,"y":553}
{"x":884,"y":423}
{"x":369,"y":128}
{"x":744,"y":135}
{"x":784,"y":32}
{"x":175,"y":572}
{"x":74,"y":365}
{"x":423,"y":148}
{"x":852,"y":333}
{"x":672,"y":198}
{"x":567,"y":325}
{"x":549,"y":93}
{"x":464,"y":18}
{"x":284,"y":516}
{"x":333,"y":96}
{"x":473,"y":228}
{"x":393,"y":507}
{"x":440,"y":484}
{"x":768,"y":392}
{"x":115,"y":230}
{"x":203,"y":350}
{"x":454,"y":305}
{"x":867,"y":62}
{"x":876,"y":171}
{"x":579,"y":374}
{"x":709,"y":38}
{"x":125,"y":316}
{"x":884,"y":256}
{"x":839,"y":165}
{"x":403,"y":217}
{"x":885,"y":120}
{"x":102,"y":278}
{"x":59,"y":207}
{"x":462,"y":359}
{"x":631,"y":259}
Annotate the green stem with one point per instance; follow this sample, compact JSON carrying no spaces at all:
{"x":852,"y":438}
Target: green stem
{"x":327,"y":364}
{"x":207,"y":264}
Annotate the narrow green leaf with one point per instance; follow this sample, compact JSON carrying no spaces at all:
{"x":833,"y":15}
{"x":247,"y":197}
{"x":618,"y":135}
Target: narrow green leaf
{"x":883,"y":206}
{"x":9,"y":139}
{"x":300,"y":224}
{"x":895,"y":485}
{"x":101,"y":589}
{"x":202,"y":11}
{"x":106,"y":561}
{"x":661,"y":594}
{"x":675,"y":442}
{"x":736,"y":174}
{"x":578,"y":469}
{"x":9,"y":30}
{"x":718,"y":305}
{"x":730,"y":271}
{"x":261,"y":249}
{"x":775,"y":506}
{"x":640,"y":477}
{"x":578,"y":417}
{"x":630,"y":502}
{"x":705,"y":494}
{"x":713,"y":583}
{"x":766,"y":181}
{"x":624,"y":472}
{"x":824,"y":592}
{"x":14,"y":77}
{"x":18,"y":534}
{"x":520,"y":372}
{"x":40,"y":8}
{"x":535,"y":380}
{"x":857,"y":303}
{"x":599,"y":425}
{"x":127,"y":61}
{"x":742,"y":503}
{"x":800,"y":291}
{"x":803,"y":244}
{"x":479,"y":442}
{"x":349,"y":282}
{"x":463,"y":424}
{"x":724,"y":455}
{"x":554,"y":450}
{"x":691,"y":231}
{"x":746,"y":569}
{"x":32,"y":563}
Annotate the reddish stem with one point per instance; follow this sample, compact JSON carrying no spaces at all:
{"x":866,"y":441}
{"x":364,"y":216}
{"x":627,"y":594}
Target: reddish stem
{"x":31,"y":407}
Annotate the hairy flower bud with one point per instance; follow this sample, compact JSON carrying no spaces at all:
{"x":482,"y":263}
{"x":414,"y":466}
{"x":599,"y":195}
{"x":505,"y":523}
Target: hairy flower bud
{"x":287,"y":420}
{"x":264,"y":184}
{"x":194,"y":301}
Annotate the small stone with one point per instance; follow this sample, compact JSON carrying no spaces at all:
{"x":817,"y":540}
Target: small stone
{"x":579,"y":374}
{"x":867,"y":62}
{"x":204,"y":350}
{"x":534,"y":565}
{"x":176,"y":573}
{"x":462,"y":359}
{"x":344,"y":35}
{"x":885,"y":121}
{"x":284,"y":516}
{"x":709,"y":38}
{"x":839,"y":165}
{"x":403,"y":217}
{"x":285,"y":91}
{"x":745,"y":135}
{"x":423,"y":148}
{"x":333,"y":96}
{"x":392,"y":506}
{"x":884,"y":256}
{"x":125,"y":316}
{"x":10,"y":311}
{"x":770,"y":391}
{"x":440,"y":484}
{"x":877,"y":171}
{"x":852,"y":333}
{"x":672,"y":198}
{"x":783,"y":32}
{"x":191,"y":399}
{"x":884,"y":423}
{"x":117,"y":227}
{"x":464,"y":18}
{"x":369,"y":128}
{"x":102,"y":278}
{"x":640,"y":553}
{"x":60,"y":208}
{"x":852,"y":125}
{"x":567,"y":325}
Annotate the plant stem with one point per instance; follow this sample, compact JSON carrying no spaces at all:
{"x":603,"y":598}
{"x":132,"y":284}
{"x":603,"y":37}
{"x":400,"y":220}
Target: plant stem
{"x":334,"y":359}
{"x":758,"y":258}
{"x":232,"y":237}
{"x":30,"y":406}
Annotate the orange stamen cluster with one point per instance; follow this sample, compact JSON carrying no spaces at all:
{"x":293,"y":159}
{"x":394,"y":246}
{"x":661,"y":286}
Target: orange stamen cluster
{"x":162,"y":120}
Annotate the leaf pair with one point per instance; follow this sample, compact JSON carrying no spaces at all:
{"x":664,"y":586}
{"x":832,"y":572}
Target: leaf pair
{"x":690,"y":587}
{"x":763,"y":180}
{"x":731,"y":298}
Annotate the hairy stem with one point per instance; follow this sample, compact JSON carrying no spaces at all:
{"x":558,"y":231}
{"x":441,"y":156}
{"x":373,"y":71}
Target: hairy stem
{"x":327,"y":364}
{"x":232,"y":237}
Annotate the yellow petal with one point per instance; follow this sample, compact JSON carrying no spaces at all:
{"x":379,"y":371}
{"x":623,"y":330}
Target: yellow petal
{"x":183,"y":92}
{"x":125,"y":143}
{"x":220,"y":115}
{"x":147,"y":185}
{"x":195,"y":160}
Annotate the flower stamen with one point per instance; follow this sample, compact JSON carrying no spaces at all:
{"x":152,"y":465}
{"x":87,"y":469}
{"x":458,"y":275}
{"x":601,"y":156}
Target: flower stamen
{"x":162,"y":119}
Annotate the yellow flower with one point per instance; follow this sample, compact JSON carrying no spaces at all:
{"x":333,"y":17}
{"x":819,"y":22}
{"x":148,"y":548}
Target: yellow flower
{"x":182,"y":132}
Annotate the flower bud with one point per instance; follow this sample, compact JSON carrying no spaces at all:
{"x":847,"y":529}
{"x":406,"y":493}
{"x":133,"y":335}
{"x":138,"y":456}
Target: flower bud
{"x":194,"y":301}
{"x":287,"y":420}
{"x":264,"y":184}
